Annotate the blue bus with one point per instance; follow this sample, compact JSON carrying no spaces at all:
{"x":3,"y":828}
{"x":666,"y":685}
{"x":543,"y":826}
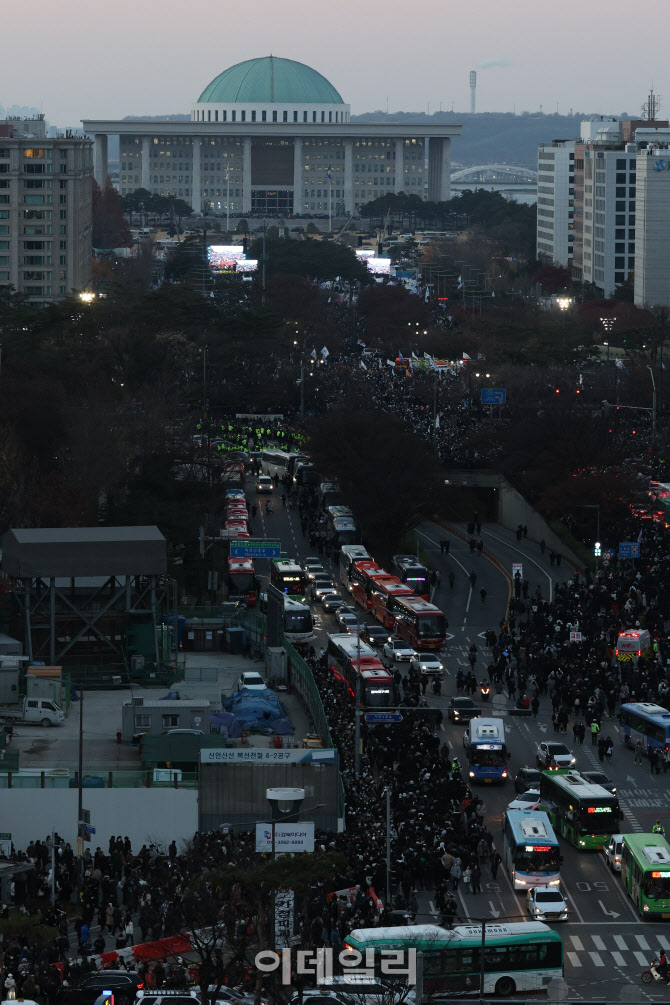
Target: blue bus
{"x":531,"y":851}
{"x":486,"y":747}
{"x":644,"y":721}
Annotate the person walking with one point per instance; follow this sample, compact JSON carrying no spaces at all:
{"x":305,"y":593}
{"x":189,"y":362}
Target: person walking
{"x":535,"y":705}
{"x":496,"y":859}
{"x":476,"y":879}
{"x":452,"y":580}
{"x":595,"y":729}
{"x":638,"y":752}
{"x":455,"y":872}
{"x":482,"y":594}
{"x":652,"y":760}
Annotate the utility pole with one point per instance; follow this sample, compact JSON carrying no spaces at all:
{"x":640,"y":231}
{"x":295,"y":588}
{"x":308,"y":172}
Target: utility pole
{"x":388,"y":848}
{"x":80,"y":792}
{"x":302,"y":385}
{"x":263,"y":265}
{"x":653,"y":410}
{"x":357,"y":731}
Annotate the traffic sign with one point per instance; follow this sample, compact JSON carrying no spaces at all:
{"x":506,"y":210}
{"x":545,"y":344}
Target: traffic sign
{"x":494,"y":395}
{"x":629,"y":549}
{"x":517,"y":567}
{"x":383,"y":716}
{"x":575,"y":636}
{"x":255,"y":548}
{"x":608,"y":554}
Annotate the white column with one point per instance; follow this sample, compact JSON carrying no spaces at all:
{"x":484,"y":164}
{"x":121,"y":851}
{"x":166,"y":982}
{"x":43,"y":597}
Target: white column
{"x":399,"y":165}
{"x":196,"y":185}
{"x":246,"y":175}
{"x":445,"y":174}
{"x":297,"y":175}
{"x":146,"y":153}
{"x":349,"y":176}
{"x":100,"y":167}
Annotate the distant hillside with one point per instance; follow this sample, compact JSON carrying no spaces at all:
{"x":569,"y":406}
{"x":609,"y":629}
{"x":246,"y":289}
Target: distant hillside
{"x":494,"y":137}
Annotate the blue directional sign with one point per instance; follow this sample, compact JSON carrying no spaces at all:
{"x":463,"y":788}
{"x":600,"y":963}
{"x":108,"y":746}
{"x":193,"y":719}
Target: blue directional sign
{"x":629,"y":549}
{"x":255,"y":548}
{"x":494,"y":395}
{"x":383,"y":716}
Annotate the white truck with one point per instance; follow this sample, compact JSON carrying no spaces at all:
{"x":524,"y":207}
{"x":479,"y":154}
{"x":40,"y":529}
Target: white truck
{"x":42,"y":710}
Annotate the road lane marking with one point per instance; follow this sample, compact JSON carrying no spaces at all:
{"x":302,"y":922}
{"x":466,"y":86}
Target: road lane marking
{"x":642,"y":960}
{"x":573,"y":901}
{"x":577,"y":942}
{"x":574,"y":959}
{"x":621,"y":942}
{"x":618,"y":959}
{"x":597,"y":959}
{"x":663,"y":941}
{"x":598,"y":942}
{"x":642,"y":942}
{"x":518,"y":550}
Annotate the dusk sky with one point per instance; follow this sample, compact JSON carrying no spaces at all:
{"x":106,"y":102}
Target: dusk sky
{"x":134,"y":57}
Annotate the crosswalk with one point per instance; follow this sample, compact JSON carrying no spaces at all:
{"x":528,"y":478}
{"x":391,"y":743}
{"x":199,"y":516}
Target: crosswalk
{"x":622,"y":950}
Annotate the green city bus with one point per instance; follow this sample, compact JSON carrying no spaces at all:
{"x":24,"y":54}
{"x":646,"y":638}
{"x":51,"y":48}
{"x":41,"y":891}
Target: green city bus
{"x":584,"y":814}
{"x":645,"y":871}
{"x":517,"y":957}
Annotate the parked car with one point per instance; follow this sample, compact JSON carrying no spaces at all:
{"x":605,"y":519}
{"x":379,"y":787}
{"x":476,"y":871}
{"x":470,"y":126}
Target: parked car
{"x":124,"y":984}
{"x":551,"y":756}
{"x":546,"y":903}
{"x":612,"y":852}
{"x":252,"y":680}
{"x":427,"y":663}
{"x":398,"y":649}
{"x":527,"y":778}
{"x":529,"y":800}
{"x":461,"y":709}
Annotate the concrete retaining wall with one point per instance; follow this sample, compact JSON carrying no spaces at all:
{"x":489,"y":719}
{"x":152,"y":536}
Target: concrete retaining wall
{"x":144,"y":815}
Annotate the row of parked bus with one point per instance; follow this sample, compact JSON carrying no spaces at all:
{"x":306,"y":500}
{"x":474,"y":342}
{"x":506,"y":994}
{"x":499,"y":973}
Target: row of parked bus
{"x":399,"y":602}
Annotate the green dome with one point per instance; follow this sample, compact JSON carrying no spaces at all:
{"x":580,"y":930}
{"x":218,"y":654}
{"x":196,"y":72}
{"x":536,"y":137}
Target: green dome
{"x":270,"y":79}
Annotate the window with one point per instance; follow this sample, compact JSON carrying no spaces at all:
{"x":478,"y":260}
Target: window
{"x":295,"y":116}
{"x":274,"y":115}
{"x":243,"y":116}
{"x":142,"y":721}
{"x":284,"y":116}
{"x":170,"y":720}
{"x":253,"y":116}
{"x":304,"y":116}
{"x":233,"y":116}
{"x":30,"y":200}
{"x":323,"y":116}
{"x":264,"y":116}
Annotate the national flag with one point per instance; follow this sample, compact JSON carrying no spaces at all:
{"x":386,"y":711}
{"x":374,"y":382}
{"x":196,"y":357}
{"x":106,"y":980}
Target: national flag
{"x":480,"y":355}
{"x":325,"y":353}
{"x":363,"y":366}
{"x":414,"y":356}
{"x":313,"y":354}
{"x":390,"y":362}
{"x":360,"y":343}
{"x":329,"y":173}
{"x":493,"y":293}
{"x":639,"y":537}
{"x":465,"y":356}
{"x":460,"y":282}
{"x":437,"y":422}
{"x":619,"y":363}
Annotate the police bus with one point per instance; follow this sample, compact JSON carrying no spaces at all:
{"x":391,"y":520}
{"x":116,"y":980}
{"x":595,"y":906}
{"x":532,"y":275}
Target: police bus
{"x":531,"y":851}
{"x":486,"y":747}
{"x":649,"y":723}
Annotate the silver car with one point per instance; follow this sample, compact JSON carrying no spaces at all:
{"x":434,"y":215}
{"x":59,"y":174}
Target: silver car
{"x":427,"y":663}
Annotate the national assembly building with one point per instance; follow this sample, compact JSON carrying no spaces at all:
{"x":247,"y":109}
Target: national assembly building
{"x":273,"y":136}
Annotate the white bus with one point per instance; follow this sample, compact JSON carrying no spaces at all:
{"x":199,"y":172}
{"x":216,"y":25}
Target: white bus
{"x":276,"y":462}
{"x":531,"y":851}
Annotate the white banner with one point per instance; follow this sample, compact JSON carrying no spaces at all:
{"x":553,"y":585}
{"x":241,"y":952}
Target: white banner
{"x":284,"y":915}
{"x":261,"y":755}
{"x":288,"y":837}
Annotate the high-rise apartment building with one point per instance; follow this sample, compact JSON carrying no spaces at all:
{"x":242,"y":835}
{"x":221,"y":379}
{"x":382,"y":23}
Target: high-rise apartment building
{"x":652,"y":233}
{"x":45,"y":210}
{"x":555,"y":202}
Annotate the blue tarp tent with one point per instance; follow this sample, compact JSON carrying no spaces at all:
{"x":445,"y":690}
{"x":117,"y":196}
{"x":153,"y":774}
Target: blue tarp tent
{"x":228,"y":720}
{"x":259,"y":710}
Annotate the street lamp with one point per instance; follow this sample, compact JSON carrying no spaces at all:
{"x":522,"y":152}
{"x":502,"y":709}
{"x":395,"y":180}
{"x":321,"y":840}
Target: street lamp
{"x":284,"y":803}
{"x":608,"y":325}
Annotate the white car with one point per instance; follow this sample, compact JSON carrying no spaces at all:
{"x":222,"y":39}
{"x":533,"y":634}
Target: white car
{"x":343,"y":611}
{"x":264,"y":484}
{"x":312,"y":567}
{"x":546,"y":903}
{"x":320,"y":587}
{"x":251,"y":680}
{"x":529,"y":800}
{"x":554,"y":755}
{"x":612,"y":852}
{"x":427,"y":663}
{"x":397,"y":649}
{"x":353,"y":624}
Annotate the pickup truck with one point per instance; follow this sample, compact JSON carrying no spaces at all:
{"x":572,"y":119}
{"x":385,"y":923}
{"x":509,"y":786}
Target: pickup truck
{"x":41,"y":710}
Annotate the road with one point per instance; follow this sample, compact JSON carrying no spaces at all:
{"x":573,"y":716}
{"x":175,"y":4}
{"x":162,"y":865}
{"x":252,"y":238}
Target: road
{"x":607,"y":945}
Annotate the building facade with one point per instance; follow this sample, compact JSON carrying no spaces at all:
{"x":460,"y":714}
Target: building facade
{"x":274,"y":136}
{"x":652,"y":234}
{"x":45,"y":210}
{"x":555,"y":202}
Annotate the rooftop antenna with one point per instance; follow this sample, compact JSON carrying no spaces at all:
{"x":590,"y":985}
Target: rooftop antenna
{"x":652,"y":105}
{"x":473,"y":90}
